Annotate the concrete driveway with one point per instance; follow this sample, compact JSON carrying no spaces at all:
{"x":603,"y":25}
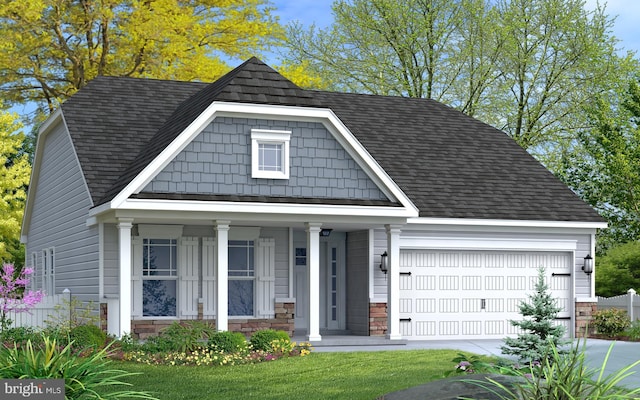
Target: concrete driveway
{"x":622,"y":353}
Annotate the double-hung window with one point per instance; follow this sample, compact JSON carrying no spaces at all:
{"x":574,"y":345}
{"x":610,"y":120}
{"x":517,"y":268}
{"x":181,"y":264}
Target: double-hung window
{"x":241,"y":278}
{"x":270,"y":154}
{"x":48,"y":270}
{"x":159,"y":277}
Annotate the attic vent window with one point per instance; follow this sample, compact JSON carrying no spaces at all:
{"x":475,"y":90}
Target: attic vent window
{"x":270,"y":154}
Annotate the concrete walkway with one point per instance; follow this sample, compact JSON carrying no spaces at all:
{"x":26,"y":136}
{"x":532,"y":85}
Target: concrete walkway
{"x":622,"y":353}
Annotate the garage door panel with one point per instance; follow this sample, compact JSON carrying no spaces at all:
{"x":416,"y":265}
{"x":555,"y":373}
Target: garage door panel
{"x":449,"y":306}
{"x":449,"y":260}
{"x":424,"y":306}
{"x":494,"y":327}
{"x":471,"y":283}
{"x":494,"y":283}
{"x":516,"y":283}
{"x":425,"y":282}
{"x":448,"y":282}
{"x":471,"y":260}
{"x":472,"y":328}
{"x":449,"y":328}
{"x":471,"y":305}
{"x":424,"y":260}
{"x":426,"y":329}
{"x":475,"y":293}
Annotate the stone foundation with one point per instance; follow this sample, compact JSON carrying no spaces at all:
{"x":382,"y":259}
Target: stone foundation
{"x":103,"y":316}
{"x":377,"y":319}
{"x":284,"y":321}
{"x":584,"y":313}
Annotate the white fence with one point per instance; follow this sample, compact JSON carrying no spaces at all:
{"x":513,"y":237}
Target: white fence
{"x":42,"y":312}
{"x":629,"y":302}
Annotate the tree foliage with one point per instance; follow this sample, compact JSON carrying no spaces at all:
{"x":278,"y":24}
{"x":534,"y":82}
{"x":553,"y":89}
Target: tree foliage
{"x":52,"y":48}
{"x":14,"y":178}
{"x":606,"y":170}
{"x":618,"y":270}
{"x":525,"y":66}
{"x":539,"y":334}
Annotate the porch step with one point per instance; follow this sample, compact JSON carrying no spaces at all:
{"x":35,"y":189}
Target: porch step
{"x":340,"y":340}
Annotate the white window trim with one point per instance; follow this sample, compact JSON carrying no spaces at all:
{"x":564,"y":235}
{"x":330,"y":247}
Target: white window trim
{"x":176,"y":277}
{"x":253,"y":278}
{"x":266,"y":136}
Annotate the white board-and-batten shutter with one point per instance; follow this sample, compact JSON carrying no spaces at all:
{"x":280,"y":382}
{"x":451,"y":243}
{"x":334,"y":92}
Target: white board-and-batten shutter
{"x":265,"y":277}
{"x":208,"y":278}
{"x":188,"y":270}
{"x":136,"y":277}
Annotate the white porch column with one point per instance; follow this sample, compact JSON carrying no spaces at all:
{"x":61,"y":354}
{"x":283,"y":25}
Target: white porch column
{"x":124,"y":246}
{"x":393,"y":282}
{"x":222,"y":275}
{"x":313,"y":281}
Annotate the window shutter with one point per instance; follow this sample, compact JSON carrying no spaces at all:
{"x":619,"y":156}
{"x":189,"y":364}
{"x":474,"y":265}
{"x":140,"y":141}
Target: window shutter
{"x":136,"y":277}
{"x":188,"y":268}
{"x":208,"y":278}
{"x":265,"y":269}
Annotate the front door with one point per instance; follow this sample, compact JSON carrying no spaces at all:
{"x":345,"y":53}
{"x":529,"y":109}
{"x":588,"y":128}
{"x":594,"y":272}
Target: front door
{"x":332,"y":283}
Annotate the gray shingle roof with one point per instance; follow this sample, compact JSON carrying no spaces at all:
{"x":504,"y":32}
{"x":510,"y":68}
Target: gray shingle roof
{"x":450,"y":165}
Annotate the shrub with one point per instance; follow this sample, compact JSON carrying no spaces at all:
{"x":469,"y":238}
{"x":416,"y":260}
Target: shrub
{"x":72,"y":313}
{"x":261,"y":340}
{"x":87,"y":336}
{"x":227,"y":342}
{"x":188,"y":336}
{"x":85,"y":377}
{"x":634,"y":330}
{"x":610,"y":322}
{"x":19,"y":335}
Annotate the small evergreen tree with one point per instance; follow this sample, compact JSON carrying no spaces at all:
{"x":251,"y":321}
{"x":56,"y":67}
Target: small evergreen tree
{"x":539,"y":333}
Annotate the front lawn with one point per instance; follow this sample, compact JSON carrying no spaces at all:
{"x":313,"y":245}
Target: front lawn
{"x":357,"y":375}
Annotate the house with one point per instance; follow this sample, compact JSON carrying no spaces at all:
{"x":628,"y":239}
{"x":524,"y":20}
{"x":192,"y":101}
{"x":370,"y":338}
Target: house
{"x":252,"y":203}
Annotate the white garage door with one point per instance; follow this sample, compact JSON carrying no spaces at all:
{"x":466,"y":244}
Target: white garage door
{"x":474,"y":294}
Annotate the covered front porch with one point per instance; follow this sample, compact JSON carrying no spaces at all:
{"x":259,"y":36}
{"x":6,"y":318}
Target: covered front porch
{"x":309,"y":279}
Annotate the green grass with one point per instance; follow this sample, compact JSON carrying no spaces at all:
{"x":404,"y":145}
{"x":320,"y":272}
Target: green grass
{"x":357,"y":375}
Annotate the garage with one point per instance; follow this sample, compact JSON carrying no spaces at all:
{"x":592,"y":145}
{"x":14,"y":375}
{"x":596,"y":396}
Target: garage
{"x":473,"y":294}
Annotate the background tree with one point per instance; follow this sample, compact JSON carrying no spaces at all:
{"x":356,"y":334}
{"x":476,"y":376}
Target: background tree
{"x":618,"y":270}
{"x":14,"y":178}
{"x":606,"y":170}
{"x":539,"y":331}
{"x":52,"y":48}
{"x":527,"y":67}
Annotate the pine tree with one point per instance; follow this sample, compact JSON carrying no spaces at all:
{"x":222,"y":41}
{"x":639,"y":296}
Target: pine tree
{"x":539,"y":333}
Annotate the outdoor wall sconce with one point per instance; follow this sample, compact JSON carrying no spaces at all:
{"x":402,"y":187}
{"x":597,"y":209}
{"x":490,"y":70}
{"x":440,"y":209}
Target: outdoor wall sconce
{"x":588,"y":265}
{"x":325,"y":232}
{"x":383,"y":262}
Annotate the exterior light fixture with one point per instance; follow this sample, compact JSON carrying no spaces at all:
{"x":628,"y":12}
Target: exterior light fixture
{"x":588,"y":265}
{"x":325,"y":232}
{"x":383,"y":262}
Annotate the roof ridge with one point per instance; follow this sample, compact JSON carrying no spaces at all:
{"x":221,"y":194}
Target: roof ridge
{"x":252,"y":70}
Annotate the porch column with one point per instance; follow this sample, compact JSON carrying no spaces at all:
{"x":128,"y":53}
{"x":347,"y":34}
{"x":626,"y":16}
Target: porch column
{"x":393,"y":282}
{"x":313,"y":281}
{"x":124,"y":246}
{"x":222,"y":275}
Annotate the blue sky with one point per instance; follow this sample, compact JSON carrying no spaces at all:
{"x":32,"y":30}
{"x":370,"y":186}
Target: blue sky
{"x":626,"y":28}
